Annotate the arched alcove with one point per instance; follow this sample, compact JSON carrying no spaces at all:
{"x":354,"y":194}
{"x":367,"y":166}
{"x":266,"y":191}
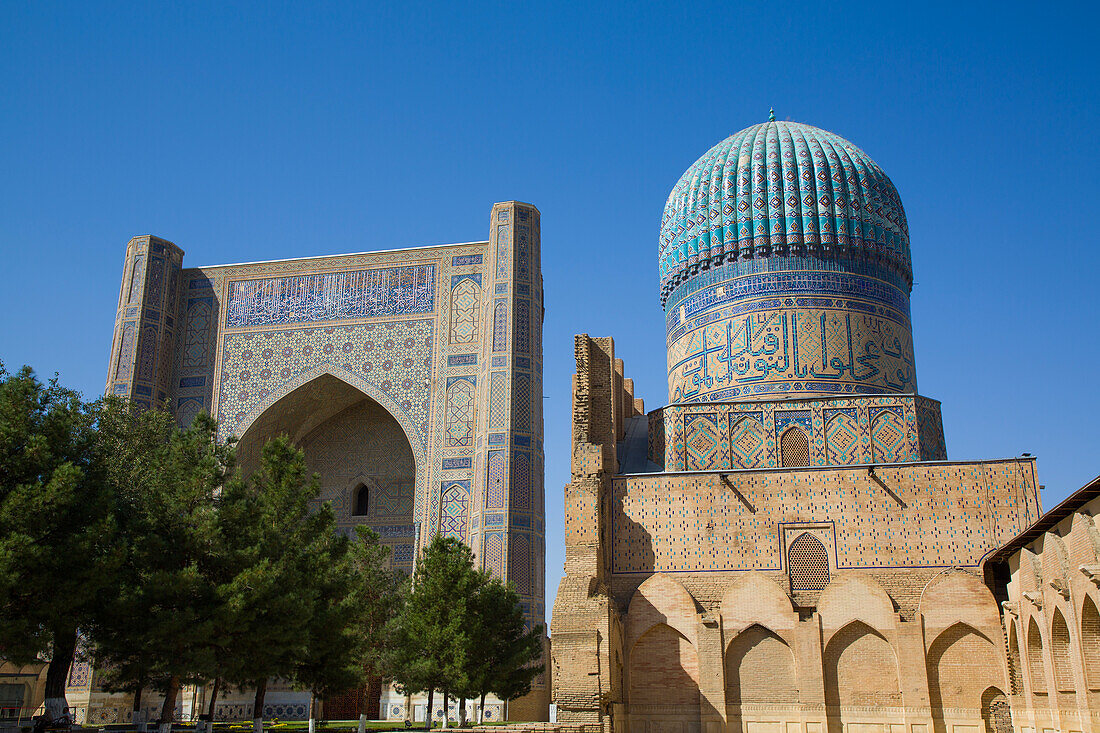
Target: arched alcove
{"x":760,"y":669}
{"x":961,"y":662}
{"x":996,"y":713}
{"x":357,"y":447}
{"x":1060,"y":653}
{"x":794,"y":448}
{"x":663,"y":675}
{"x":1090,"y":648}
{"x":861,"y":671}
{"x":1036,"y":671}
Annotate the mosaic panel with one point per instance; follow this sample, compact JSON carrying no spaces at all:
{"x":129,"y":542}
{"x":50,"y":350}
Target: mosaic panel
{"x":747,"y":441}
{"x":522,"y":328}
{"x":461,"y":412}
{"x":124,"y":368}
{"x":495,"y":484}
{"x":519,"y":562}
{"x":454,"y":509}
{"x":520,"y":491}
{"x":494,"y":553}
{"x":331,"y":296}
{"x":704,"y":443}
{"x":888,"y":441}
{"x":465,"y":311}
{"x":500,"y":325}
{"x":504,"y":241}
{"x":498,"y":404}
{"x":842,"y":436}
{"x":147,"y":353}
{"x":521,"y":404}
{"x":394,"y":357}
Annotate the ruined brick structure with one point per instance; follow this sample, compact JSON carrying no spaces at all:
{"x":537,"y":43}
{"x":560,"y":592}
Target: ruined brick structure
{"x":785,"y":548}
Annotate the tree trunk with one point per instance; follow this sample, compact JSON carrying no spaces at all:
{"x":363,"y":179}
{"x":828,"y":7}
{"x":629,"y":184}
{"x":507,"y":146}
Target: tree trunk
{"x":312,"y":711}
{"x":213,"y":700}
{"x":364,"y":701}
{"x":445,"y":696}
{"x":462,"y":712}
{"x":168,"y":709}
{"x":138,"y":716}
{"x":57,"y":674}
{"x":428,"y":714}
{"x":481,"y":710}
{"x":258,"y":706}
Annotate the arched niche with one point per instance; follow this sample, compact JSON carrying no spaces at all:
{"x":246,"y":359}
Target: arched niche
{"x":961,"y":662}
{"x":663,"y":674}
{"x":861,"y":671}
{"x":352,"y":440}
{"x":760,"y":669}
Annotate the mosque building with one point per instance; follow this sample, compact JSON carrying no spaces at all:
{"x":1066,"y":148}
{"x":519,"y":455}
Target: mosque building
{"x":785,"y":547}
{"x":411,"y":379}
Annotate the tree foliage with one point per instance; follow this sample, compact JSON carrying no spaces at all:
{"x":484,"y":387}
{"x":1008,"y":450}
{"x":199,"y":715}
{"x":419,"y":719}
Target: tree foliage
{"x":57,"y":551}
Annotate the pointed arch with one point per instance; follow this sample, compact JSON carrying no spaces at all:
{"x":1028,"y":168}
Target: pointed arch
{"x":794,"y":448}
{"x":861,"y":669}
{"x":807,"y":563}
{"x":1015,"y":671}
{"x":1036,"y":671}
{"x":760,"y":668}
{"x":1090,"y":642}
{"x":754,"y":598}
{"x":961,"y":662}
{"x":996,"y":713}
{"x":1060,"y":652}
{"x":664,"y":669}
{"x":465,"y":311}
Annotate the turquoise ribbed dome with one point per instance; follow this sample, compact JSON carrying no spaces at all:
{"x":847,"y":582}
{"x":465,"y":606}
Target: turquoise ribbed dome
{"x":781,"y":189}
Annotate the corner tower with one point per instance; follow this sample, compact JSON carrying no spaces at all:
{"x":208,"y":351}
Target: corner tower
{"x":785,"y":271}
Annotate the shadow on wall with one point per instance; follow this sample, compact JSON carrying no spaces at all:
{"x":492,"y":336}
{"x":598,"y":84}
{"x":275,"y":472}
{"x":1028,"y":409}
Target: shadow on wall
{"x":631,"y":545}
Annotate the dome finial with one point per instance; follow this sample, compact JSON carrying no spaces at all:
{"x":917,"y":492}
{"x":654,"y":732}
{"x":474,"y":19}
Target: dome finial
{"x":771,"y":115}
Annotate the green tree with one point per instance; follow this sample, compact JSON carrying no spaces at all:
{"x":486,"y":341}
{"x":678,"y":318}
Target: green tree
{"x":164,"y":615}
{"x":275,"y":545}
{"x":56,"y":528}
{"x":503,"y":656}
{"x":430,"y":634}
{"x":380,"y":591}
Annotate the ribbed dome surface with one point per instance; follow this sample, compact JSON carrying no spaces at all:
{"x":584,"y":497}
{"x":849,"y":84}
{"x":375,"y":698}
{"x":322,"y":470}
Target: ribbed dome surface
{"x":779,"y":189}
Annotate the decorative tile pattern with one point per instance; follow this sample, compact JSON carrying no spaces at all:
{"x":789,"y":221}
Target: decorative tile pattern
{"x":454,"y":509}
{"x":842,"y":437}
{"x":521,"y":327}
{"x":395,"y":357}
{"x":495,"y":483}
{"x":521,"y":403}
{"x":465,"y":309}
{"x":704,"y":443}
{"x":461,"y":411}
{"x":888,"y":435}
{"x":500,"y":325}
{"x":747,"y":440}
{"x":504,"y":242}
{"x":521,"y":482}
{"x":765,"y":191}
{"x":498,"y":397}
{"x":494,"y":553}
{"x":332,"y":296}
{"x":519,"y":562}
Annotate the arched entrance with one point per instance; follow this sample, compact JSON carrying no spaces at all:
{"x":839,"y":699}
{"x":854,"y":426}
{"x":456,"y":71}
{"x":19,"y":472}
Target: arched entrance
{"x":366,"y":468}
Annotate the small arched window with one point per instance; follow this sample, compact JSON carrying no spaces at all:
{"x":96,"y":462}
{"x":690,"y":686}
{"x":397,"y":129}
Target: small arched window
{"x":794,"y":449}
{"x":362,"y":500}
{"x":808,"y":563}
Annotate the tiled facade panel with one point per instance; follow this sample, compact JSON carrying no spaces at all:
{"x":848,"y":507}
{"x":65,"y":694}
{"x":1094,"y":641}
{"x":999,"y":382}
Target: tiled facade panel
{"x":920,"y":515}
{"x":840,"y":431}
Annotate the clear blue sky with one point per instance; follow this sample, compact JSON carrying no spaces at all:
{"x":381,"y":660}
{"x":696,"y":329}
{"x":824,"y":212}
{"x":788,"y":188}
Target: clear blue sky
{"x":275,"y":130}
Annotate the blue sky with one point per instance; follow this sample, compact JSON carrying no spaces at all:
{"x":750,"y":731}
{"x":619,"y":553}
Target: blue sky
{"x":245,"y":132}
